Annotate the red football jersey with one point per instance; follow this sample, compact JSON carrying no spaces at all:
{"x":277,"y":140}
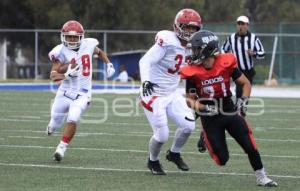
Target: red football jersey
{"x":215,"y":82}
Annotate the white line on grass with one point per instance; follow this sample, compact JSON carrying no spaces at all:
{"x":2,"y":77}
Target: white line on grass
{"x":23,"y":120}
{"x":26,"y":137}
{"x":139,"y":170}
{"x":129,"y":134}
{"x":129,"y":151}
{"x":25,"y":117}
{"x":146,"y":124}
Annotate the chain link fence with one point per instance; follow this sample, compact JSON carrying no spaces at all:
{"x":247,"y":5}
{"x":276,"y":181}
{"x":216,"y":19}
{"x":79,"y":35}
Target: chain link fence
{"x":27,"y":50}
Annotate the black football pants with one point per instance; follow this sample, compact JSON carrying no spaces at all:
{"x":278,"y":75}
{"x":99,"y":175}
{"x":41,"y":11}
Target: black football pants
{"x":214,"y":132}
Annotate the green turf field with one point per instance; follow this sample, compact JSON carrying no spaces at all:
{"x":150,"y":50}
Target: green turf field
{"x":110,"y":149}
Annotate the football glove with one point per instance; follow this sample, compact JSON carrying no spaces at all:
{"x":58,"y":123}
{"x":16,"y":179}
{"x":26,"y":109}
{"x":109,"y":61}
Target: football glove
{"x":210,"y":110}
{"x":110,"y":70}
{"x":242,"y":106}
{"x":148,"y":88}
{"x":71,"y":72}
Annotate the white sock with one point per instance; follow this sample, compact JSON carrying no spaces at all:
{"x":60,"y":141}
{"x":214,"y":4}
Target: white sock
{"x":181,"y":136}
{"x":260,"y":173}
{"x":154,"y":148}
{"x":63,"y":144}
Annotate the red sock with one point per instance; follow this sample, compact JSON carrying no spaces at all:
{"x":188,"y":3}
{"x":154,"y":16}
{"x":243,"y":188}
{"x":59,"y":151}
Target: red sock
{"x":66,"y":139}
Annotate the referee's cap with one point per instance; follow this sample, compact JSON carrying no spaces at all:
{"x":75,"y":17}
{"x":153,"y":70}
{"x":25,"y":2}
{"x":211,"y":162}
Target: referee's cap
{"x":243,"y":19}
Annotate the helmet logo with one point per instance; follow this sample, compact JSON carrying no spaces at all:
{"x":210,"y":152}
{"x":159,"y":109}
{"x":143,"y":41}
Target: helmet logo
{"x":208,"y":39}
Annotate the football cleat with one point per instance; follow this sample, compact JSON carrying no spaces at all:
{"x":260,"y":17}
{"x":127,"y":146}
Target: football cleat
{"x":201,"y":143}
{"x":176,"y":158}
{"x":59,"y":152}
{"x":266,"y":182}
{"x":263,"y":180}
{"x":49,"y":130}
{"x":155,"y":167}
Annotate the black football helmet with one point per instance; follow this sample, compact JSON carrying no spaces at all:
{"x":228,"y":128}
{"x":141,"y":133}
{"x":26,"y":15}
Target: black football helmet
{"x":204,"y":44}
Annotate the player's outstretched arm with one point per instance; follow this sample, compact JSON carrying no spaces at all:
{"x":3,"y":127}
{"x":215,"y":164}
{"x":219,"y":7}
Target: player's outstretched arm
{"x":110,"y":70}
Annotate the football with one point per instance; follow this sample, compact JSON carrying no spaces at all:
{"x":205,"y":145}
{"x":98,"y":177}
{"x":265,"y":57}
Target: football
{"x":64,"y":67}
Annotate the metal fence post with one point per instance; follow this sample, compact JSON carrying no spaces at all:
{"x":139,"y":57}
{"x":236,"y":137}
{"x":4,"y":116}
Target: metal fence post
{"x":273,"y":58}
{"x":36,"y":61}
{"x":105,"y":42}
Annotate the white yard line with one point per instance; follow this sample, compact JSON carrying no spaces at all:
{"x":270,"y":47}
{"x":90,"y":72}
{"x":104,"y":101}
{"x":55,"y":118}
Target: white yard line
{"x":26,"y":137}
{"x":25,"y":117}
{"x":139,"y":170}
{"x":23,"y":120}
{"x":135,"y":134}
{"x":131,"y":151}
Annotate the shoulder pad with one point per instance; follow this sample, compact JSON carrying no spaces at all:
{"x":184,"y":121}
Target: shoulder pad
{"x":187,"y":71}
{"x":55,"y":53}
{"x":167,"y":38}
{"x":91,"y":41}
{"x":228,"y":60}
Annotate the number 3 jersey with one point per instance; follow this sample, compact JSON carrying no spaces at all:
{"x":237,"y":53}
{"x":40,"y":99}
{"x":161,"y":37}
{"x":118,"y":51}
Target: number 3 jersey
{"x":213,"y":83}
{"x":162,"y":62}
{"x":83,"y":56}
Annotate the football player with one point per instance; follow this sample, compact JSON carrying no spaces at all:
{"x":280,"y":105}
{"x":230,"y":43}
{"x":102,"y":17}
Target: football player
{"x":159,"y":75}
{"x":74,"y":94}
{"x":208,"y":93}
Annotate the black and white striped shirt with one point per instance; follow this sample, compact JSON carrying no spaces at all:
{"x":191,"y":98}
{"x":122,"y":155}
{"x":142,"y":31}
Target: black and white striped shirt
{"x":239,"y":45}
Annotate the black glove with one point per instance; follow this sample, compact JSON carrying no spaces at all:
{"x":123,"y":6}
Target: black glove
{"x":209,"y":110}
{"x":148,"y":88}
{"x":242,"y":105}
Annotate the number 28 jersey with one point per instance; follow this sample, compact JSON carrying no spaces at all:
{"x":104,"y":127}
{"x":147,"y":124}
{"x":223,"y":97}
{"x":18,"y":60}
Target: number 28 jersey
{"x":161,"y":64}
{"x":83,"y":83}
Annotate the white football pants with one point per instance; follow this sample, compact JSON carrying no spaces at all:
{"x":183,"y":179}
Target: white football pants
{"x":174,"y":106}
{"x":63,"y":106}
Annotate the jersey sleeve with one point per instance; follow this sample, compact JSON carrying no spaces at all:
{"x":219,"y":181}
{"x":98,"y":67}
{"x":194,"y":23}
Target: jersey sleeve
{"x":187,"y":72}
{"x":229,"y":61}
{"x":236,"y":73}
{"x":55,"y":54}
{"x":165,"y":38}
{"x":92,"y":41}
{"x":232,"y":66}
{"x":152,"y":56}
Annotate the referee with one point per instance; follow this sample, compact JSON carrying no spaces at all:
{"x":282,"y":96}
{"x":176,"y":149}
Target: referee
{"x":245,"y":46}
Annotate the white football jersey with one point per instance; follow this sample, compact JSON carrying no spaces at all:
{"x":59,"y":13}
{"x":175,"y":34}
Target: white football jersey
{"x":83,"y":83}
{"x":162,"y":63}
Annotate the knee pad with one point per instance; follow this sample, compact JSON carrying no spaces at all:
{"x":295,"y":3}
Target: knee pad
{"x":74,"y":114}
{"x":56,"y":121}
{"x":188,"y":127}
{"x":161,"y":134}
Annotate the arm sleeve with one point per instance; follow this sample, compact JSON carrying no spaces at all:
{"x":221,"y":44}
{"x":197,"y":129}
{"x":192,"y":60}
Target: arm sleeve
{"x":190,"y":87}
{"x":236,"y":74}
{"x":259,"y":49}
{"x":154,"y":55}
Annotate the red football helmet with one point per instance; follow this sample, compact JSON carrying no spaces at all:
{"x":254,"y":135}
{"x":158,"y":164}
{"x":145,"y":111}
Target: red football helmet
{"x":72,"y":28}
{"x":184,"y":18}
